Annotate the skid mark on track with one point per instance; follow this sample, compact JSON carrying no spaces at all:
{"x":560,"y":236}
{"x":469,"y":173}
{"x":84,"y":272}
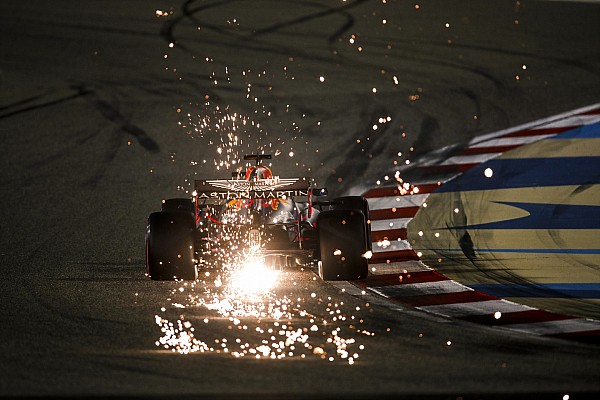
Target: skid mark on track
{"x":111,"y":112}
{"x":43,"y":101}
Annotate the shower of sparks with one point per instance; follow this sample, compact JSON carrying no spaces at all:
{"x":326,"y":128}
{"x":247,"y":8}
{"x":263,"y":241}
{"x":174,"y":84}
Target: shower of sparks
{"x":241,"y":291}
{"x":228,"y":133}
{"x":242,"y":296}
{"x":254,"y":276}
{"x":231,"y":134}
{"x":261,"y":324}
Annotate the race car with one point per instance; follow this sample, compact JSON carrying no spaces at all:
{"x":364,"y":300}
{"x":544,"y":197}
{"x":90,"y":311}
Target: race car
{"x":277,"y":219}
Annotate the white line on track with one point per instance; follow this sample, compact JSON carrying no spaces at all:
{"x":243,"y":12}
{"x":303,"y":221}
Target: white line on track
{"x":556,"y":327}
{"x":398,"y":267}
{"x":535,"y":124}
{"x":413,"y":200}
{"x":423,"y":288}
{"x":470,"y":159}
{"x":510,"y":141}
{"x":476,"y":308}
{"x":392,"y":245}
{"x":575,"y":121}
{"x":383,"y":225}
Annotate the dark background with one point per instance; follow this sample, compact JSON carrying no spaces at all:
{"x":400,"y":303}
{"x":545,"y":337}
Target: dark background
{"x":98,"y":117}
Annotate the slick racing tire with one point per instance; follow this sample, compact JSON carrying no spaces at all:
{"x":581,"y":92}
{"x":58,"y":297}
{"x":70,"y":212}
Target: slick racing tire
{"x":170,"y":246}
{"x":178,"y":205}
{"x":356,"y":203}
{"x":343,"y":244}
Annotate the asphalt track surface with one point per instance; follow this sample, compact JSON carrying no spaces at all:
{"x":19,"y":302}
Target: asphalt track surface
{"x":95,"y":131}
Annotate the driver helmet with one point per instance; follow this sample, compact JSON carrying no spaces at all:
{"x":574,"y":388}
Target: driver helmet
{"x":258,"y":172}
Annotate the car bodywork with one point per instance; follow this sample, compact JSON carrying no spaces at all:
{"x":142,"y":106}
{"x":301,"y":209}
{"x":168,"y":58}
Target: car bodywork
{"x":278,"y":219}
{"x":272,"y":216}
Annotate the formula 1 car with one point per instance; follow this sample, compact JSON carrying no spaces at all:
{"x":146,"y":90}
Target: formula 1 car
{"x":275,"y":218}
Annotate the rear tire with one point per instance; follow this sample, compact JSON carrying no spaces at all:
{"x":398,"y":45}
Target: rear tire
{"x":343,"y":244}
{"x":356,"y":203}
{"x":178,"y":205}
{"x":170,"y":246}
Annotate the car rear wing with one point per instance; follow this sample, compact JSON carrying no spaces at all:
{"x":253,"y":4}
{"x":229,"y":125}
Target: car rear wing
{"x":272,"y":188}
